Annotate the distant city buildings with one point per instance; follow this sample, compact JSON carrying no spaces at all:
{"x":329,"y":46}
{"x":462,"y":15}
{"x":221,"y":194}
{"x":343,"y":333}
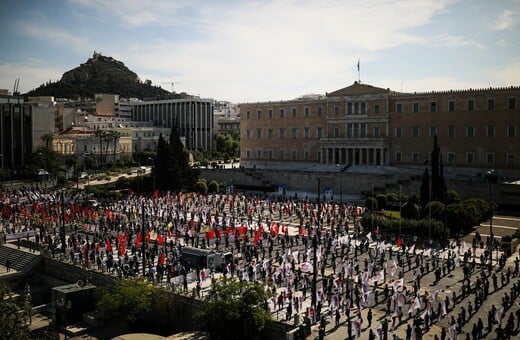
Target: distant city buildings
{"x":106,"y":129}
{"x":365,"y":125}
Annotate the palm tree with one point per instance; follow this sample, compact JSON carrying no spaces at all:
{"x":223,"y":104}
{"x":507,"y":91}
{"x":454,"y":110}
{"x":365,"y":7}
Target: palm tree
{"x":116,"y":135}
{"x":101,"y":134}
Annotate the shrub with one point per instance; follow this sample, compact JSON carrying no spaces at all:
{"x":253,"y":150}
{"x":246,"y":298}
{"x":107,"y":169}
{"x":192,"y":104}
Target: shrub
{"x":410,"y":210}
{"x":371,"y":203}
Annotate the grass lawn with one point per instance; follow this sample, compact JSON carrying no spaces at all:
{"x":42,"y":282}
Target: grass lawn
{"x":394,"y":214}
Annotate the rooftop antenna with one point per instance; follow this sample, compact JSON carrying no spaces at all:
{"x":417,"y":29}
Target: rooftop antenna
{"x":171,"y":83}
{"x":15,"y":87}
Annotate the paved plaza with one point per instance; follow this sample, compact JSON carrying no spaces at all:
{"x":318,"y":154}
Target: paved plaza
{"x":354,"y":267}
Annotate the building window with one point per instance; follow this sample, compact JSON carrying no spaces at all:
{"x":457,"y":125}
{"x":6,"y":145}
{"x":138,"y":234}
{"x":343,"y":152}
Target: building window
{"x":294,"y":132}
{"x":282,"y":154}
{"x":363,"y":130}
{"x":306,"y":133}
{"x":433,"y":106}
{"x":259,"y":153}
{"x":248,"y":114}
{"x":470,"y":131}
{"x":398,"y":157}
{"x":306,"y":112}
{"x":336,"y":109}
{"x":248,"y":154}
{"x":470,"y":158}
{"x":270,"y":153}
{"x":259,"y":133}
{"x":471,"y":104}
{"x":490,"y":130}
{"x":258,"y":114}
{"x":306,"y":155}
{"x":415,"y":107}
{"x":451,"y":105}
{"x":363,"y":107}
{"x":510,"y":159}
{"x":398,"y":132}
{"x":377,"y":132}
{"x":282,"y":113}
{"x":433,"y":131}
{"x":336,"y":132}
{"x":511,"y":130}
{"x":320,"y":110}
{"x":398,"y":107}
{"x":451,"y":131}
{"x":376,"y":108}
{"x":491,"y":104}
{"x":451,"y":158}
{"x":282,"y":133}
{"x":356,"y":108}
{"x":490,"y":158}
{"x":511,"y":103}
{"x":415,"y":157}
{"x":248,"y":134}
{"x":349,"y":108}
{"x":270,"y":133}
{"x":270,"y":113}
{"x":294,"y":112}
{"x":294,"y":155}
{"x":415,"y":131}
{"x":319,"y":132}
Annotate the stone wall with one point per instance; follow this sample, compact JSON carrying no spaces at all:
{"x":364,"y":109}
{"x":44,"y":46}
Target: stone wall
{"x":171,"y":312}
{"x":506,"y":195}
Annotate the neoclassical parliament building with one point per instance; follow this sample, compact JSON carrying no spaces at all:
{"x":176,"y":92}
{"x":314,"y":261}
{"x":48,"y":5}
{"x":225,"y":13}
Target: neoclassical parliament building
{"x":360,"y":124}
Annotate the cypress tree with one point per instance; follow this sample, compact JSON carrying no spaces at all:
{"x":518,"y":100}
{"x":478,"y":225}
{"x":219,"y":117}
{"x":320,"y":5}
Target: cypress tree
{"x":435,"y":170}
{"x":425,"y":188}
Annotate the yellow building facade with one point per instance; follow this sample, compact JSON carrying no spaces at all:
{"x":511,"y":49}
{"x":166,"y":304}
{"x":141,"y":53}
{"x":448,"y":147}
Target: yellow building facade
{"x":371,"y":126}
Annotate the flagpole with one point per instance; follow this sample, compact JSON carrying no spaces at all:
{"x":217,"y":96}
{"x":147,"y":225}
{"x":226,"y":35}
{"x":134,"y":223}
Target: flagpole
{"x":359,"y":72}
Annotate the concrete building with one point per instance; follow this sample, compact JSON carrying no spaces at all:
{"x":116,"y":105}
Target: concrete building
{"x":193,"y":118}
{"x":371,"y":126}
{"x":22,"y":126}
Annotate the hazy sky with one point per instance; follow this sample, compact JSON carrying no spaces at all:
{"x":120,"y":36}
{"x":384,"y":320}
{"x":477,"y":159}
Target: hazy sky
{"x":245,"y":51}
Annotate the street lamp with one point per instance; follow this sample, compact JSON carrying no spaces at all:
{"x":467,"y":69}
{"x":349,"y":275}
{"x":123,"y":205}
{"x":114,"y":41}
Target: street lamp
{"x":490,"y":176}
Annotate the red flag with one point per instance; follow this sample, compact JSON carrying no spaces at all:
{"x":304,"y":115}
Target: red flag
{"x":122,"y":248}
{"x":160,"y":239}
{"x":162,"y":258}
{"x":399,"y":241}
{"x":138,"y":240}
{"x":109,"y":246}
{"x":210,"y":234}
{"x":156,"y":193}
{"x":257,"y":237}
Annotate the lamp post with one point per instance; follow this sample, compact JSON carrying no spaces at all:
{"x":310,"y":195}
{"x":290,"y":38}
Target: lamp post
{"x":315,"y":250}
{"x":143,"y":240}
{"x":490,"y":176}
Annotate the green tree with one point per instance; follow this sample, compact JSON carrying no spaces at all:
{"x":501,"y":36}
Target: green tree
{"x":371,"y":203}
{"x":410,"y":210}
{"x":12,"y":316}
{"x":425,"y":188}
{"x":381,"y":201}
{"x":201,"y":186}
{"x":234,"y":309}
{"x":435,"y":170}
{"x":453,"y":197}
{"x":213,"y":186}
{"x":127,"y":299}
{"x":173,"y":170}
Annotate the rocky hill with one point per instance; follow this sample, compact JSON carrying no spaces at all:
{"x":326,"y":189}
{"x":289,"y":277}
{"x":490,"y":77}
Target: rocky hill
{"x":101,"y":74}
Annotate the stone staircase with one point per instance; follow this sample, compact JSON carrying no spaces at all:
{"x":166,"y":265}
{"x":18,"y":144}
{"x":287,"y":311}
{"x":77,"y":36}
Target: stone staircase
{"x":20,"y":260}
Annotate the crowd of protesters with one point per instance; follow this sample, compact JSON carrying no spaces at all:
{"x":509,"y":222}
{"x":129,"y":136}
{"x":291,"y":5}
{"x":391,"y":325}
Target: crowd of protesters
{"x":281,"y":242}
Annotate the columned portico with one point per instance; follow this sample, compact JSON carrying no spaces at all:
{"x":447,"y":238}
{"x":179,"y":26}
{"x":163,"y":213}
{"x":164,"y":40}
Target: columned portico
{"x":353,"y":155}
